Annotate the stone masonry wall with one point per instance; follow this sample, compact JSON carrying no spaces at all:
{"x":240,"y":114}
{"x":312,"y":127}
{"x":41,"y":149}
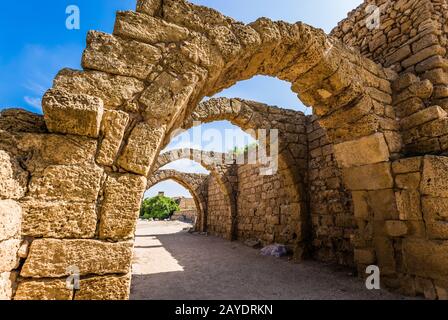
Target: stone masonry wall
{"x":219,"y":219}
{"x":267,"y":208}
{"x":330,"y":204}
{"x":411,"y":39}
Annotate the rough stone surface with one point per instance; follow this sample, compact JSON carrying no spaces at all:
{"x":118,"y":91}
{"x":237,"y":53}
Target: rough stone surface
{"x":13,"y":178}
{"x":369,"y":177}
{"x":59,"y":183}
{"x":70,"y":113}
{"x":112,"y":129}
{"x":143,"y":145}
{"x":368,"y":150}
{"x":121,"y":206}
{"x":46,"y":289}
{"x":59,"y":219}
{"x":114,"y":91}
{"x":119,"y":56}
{"x":435,"y":176}
{"x":52,"y":258}
{"x":104,"y":288}
{"x":8,"y":252}
{"x":10,"y":219}
{"x":426,"y":258}
{"x":7,"y":284}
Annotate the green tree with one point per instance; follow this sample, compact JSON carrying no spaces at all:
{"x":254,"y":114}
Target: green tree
{"x":238,"y":151}
{"x":159,"y":207}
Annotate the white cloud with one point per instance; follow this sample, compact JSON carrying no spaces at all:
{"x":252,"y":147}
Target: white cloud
{"x":34,"y":102}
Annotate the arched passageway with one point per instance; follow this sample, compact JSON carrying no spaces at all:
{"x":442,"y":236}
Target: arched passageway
{"x":193,"y":182}
{"x":104,"y":128}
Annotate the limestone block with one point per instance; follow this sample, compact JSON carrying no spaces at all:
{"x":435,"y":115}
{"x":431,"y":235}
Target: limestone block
{"x":404,"y":81}
{"x":361,"y":207}
{"x":437,"y":76}
{"x":421,"y":117}
{"x":118,"y":56}
{"x":408,"y":203}
{"x":365,"y":256}
{"x":432,"y":63}
{"x":59,"y":219}
{"x":112,"y":89}
{"x":69,"y":113}
{"x":396,"y":228}
{"x":10,"y":219}
{"x":422,"y":89}
{"x":423,"y":55}
{"x":112,"y":128}
{"x":399,"y":55}
{"x":120,"y":207}
{"x":166,"y":97}
{"x":368,"y":177}
{"x":426,"y":41}
{"x":426,"y":258}
{"x":51,"y":258}
{"x":394,"y":141}
{"x":53,"y":149}
{"x":435,"y":213}
{"x":407,"y":165}
{"x":7,"y":283}
{"x":409,"y":107}
{"x":408,"y":181}
{"x":13,"y":179}
{"x":144,"y":28}
{"x":382,"y":202}
{"x":143,"y":145}
{"x":8,"y":253}
{"x":67,"y":183}
{"x":150,"y":7}
{"x":367,"y":150}
{"x":385,"y":255}
{"x":104,"y":288}
{"x":46,"y":289}
{"x":20,"y":120}
{"x":435,"y":176}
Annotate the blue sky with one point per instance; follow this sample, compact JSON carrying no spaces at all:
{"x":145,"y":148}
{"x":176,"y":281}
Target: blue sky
{"x":35,"y":45}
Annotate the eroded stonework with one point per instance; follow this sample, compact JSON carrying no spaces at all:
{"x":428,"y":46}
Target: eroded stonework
{"x":361,"y":182}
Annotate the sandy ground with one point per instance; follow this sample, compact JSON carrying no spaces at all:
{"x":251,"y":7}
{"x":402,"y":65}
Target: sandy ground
{"x":171,"y":264}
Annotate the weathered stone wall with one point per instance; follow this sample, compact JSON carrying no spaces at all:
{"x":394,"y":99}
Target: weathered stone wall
{"x":330,"y":204}
{"x":219,"y":214}
{"x":267,"y":207}
{"x":411,"y":39}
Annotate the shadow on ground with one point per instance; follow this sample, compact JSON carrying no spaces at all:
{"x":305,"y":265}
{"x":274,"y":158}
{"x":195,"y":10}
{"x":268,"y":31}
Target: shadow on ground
{"x":171,"y":264}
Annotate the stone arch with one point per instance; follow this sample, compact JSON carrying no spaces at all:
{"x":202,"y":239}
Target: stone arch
{"x":193,"y":182}
{"x":144,"y":80}
{"x":220,"y":165}
{"x":292,"y":143}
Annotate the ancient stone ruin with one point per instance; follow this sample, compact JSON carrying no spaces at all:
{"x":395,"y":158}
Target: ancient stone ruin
{"x":364,"y":181}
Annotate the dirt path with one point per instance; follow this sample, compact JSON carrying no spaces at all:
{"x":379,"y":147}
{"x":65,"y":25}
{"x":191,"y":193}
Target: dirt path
{"x":172,"y":264}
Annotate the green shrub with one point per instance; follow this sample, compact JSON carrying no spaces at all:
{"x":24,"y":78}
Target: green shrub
{"x":159,"y":207}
